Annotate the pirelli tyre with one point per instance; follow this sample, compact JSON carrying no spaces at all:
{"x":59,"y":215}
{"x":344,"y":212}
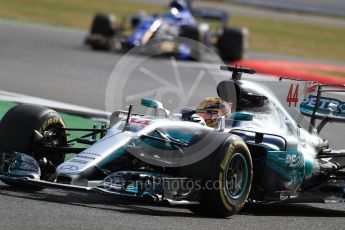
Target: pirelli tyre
{"x":233,"y":43}
{"x":227,"y":185}
{"x":193,"y":33}
{"x":17,"y":134}
{"x":102,"y":32}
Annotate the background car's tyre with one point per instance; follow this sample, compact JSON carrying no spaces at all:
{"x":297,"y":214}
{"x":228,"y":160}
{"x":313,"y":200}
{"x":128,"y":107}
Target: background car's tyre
{"x":101,"y":33}
{"x":233,"y":43}
{"x":193,"y":33}
{"x":103,"y":24}
{"x":228,"y":180}
{"x":17,"y":129}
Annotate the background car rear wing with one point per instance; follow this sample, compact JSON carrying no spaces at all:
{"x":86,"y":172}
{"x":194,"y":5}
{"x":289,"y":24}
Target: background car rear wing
{"x":212,"y":14}
{"x":324,"y":108}
{"x":209,"y":13}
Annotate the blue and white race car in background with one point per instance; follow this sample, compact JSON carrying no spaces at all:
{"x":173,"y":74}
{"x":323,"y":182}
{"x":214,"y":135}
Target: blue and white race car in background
{"x":178,"y":21}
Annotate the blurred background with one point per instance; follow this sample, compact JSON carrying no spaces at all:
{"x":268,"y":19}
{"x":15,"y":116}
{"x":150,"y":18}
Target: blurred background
{"x":313,"y":29}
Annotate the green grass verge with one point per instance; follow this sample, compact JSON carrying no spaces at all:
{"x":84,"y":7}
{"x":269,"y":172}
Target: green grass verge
{"x":294,"y":38}
{"x":74,"y":13}
{"x":267,"y":35}
{"x":5,"y":106}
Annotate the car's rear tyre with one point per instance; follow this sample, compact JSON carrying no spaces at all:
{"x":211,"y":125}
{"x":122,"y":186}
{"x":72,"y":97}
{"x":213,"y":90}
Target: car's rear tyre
{"x":103,"y":24}
{"x":102,"y":44}
{"x":193,"y":33}
{"x":228,"y":181}
{"x":102,"y":32}
{"x":233,"y":43}
{"x":17,"y":128}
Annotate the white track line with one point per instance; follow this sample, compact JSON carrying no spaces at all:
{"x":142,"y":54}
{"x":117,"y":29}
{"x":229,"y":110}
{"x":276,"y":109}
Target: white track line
{"x":61,"y":106}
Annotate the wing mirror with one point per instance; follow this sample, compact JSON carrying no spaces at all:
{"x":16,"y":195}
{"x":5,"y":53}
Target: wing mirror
{"x":156,"y":105}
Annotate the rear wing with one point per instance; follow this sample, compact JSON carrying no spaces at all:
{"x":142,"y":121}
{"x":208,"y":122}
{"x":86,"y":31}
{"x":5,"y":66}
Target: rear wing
{"x":212,"y":14}
{"x":324,"y":108}
{"x":209,"y":13}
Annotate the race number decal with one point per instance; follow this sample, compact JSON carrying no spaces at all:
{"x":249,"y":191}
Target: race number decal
{"x":292,"y":97}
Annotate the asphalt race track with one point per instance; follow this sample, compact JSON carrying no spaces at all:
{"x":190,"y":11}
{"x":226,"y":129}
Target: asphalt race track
{"x":51,"y":63}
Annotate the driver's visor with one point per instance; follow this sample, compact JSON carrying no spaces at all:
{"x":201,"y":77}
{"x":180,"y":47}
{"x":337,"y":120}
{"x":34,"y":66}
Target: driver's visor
{"x":208,"y":114}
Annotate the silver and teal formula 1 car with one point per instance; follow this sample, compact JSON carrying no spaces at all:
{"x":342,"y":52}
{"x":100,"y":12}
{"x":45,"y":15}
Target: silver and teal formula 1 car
{"x":257,"y":154}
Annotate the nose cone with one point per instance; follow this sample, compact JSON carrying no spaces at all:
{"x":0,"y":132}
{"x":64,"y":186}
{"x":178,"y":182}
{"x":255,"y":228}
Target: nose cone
{"x":82,"y":166}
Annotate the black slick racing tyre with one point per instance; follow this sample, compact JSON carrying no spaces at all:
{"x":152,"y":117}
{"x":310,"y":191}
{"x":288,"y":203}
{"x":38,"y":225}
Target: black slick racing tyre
{"x":233,"y":43}
{"x":102,"y":24}
{"x":17,"y":128}
{"x":193,"y":33}
{"x":229,"y":179}
{"x":101,"y":33}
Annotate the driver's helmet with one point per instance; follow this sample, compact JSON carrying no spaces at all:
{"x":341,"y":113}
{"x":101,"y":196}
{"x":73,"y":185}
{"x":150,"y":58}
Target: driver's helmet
{"x":180,"y":5}
{"x":212,"y":109}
